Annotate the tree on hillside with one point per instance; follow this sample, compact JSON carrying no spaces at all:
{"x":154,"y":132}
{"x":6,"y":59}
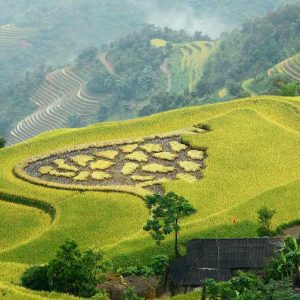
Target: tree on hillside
{"x":2,"y":142}
{"x":165,"y":213}
{"x":76,"y":272}
{"x":265,"y":216}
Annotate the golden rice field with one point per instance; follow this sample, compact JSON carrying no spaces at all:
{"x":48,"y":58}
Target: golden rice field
{"x":252,"y":160}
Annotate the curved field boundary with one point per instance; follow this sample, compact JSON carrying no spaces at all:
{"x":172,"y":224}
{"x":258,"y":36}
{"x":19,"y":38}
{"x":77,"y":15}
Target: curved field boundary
{"x":61,"y":95}
{"x":43,"y":206}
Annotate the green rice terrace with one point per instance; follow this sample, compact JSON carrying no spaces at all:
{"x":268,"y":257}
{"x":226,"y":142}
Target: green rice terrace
{"x":290,"y":67}
{"x":86,"y":184}
{"x":11,"y":35}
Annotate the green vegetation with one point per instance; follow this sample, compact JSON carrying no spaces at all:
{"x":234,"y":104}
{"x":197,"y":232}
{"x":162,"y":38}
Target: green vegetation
{"x":109,"y":154}
{"x":70,"y":271}
{"x":248,"y":52}
{"x":152,"y":148}
{"x":265,"y":216}
{"x":166,"y":213}
{"x":82,"y":160}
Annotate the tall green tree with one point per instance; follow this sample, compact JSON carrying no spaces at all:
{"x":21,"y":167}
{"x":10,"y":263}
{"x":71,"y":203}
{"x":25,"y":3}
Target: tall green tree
{"x":165,"y":214}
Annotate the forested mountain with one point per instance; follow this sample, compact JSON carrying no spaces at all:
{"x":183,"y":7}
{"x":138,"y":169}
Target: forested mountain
{"x":258,"y":46}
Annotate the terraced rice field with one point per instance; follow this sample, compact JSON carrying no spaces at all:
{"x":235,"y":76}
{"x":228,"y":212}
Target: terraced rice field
{"x":60,"y":96}
{"x":252,"y":160}
{"x":290,"y":67}
{"x":10,"y":35}
{"x":187,"y":61}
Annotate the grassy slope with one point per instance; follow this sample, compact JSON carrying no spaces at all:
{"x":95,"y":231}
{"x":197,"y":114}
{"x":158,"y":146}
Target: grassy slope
{"x":253,"y":160}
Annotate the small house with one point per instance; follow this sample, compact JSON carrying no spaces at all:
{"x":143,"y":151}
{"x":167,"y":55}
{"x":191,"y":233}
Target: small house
{"x":220,"y":259}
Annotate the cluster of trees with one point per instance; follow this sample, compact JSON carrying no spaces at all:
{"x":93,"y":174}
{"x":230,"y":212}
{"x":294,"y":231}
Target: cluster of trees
{"x":79,"y":272}
{"x":258,"y":46}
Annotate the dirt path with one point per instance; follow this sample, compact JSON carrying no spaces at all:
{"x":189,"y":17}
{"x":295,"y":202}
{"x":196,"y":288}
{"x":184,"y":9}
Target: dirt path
{"x":166,"y":71}
{"x":109,"y":67}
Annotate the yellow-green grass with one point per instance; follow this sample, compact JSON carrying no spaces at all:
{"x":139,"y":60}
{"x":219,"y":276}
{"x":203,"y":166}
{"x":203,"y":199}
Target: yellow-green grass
{"x":19,"y":223}
{"x":150,"y":148}
{"x":189,"y":166}
{"x":195,"y":154}
{"x":82,"y":160}
{"x":142,"y":178}
{"x":137,"y":156}
{"x":253,"y":160}
{"x":82,"y":176}
{"x":99,"y":175}
{"x":157,"y":168}
{"x":47,"y":170}
{"x":129,"y":168}
{"x":101,"y":164}
{"x":129,"y":148}
{"x":165,"y":156}
{"x":62,"y":165}
{"x":187,"y":177}
{"x":109,"y":154}
{"x":187,"y":62}
{"x":158,"y":43}
{"x":177,"y":147}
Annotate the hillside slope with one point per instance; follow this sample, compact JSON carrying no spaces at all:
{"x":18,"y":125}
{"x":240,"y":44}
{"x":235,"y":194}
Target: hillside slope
{"x":247,"y":136}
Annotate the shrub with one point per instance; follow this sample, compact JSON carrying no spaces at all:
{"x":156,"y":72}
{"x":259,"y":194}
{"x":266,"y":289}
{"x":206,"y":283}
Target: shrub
{"x":76,"y":272}
{"x":36,"y":278}
{"x":2,"y":142}
{"x":265,"y":216}
{"x":101,"y":295}
{"x":159,"y":264}
{"x":130,"y":294}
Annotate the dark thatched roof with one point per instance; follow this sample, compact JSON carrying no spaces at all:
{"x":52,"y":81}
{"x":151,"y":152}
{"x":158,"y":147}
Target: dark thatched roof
{"x":219,"y":258}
